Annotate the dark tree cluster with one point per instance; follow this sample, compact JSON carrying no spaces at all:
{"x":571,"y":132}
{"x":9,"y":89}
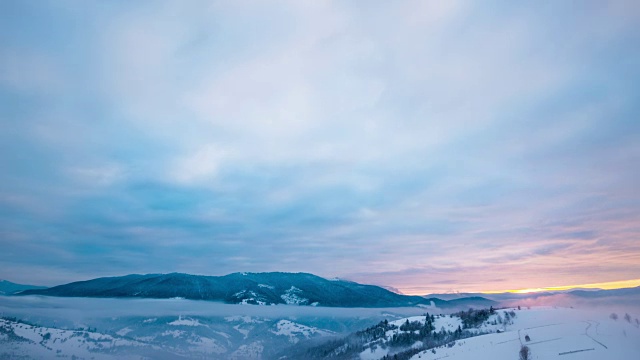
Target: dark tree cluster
{"x":474,"y":318}
{"x":375,"y":332}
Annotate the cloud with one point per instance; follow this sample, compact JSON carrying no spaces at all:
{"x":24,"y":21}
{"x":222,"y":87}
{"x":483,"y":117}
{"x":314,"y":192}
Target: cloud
{"x":408,"y":144}
{"x":201,"y":165}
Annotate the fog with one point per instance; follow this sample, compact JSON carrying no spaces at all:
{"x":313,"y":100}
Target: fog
{"x":630,"y":303}
{"x":68,"y":311}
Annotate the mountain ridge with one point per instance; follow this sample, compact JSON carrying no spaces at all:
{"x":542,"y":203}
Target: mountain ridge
{"x":271,"y":288}
{"x":10,"y":288}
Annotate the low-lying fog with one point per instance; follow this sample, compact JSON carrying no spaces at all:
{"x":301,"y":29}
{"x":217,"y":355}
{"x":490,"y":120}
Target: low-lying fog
{"x":72,"y":312}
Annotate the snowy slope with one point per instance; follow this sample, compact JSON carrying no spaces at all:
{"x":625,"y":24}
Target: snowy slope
{"x":553,"y":334}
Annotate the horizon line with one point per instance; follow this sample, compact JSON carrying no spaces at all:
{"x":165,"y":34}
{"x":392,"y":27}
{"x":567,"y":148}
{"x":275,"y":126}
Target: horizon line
{"x":609,"y":285}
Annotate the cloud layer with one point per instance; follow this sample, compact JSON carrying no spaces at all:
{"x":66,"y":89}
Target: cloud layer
{"x":429,"y":146}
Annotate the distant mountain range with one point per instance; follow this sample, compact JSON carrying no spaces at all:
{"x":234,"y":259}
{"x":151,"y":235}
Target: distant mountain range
{"x":506,"y":296}
{"x":9,"y":288}
{"x":249,"y":288}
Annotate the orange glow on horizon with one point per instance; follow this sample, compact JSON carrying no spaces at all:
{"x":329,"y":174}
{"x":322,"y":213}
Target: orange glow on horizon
{"x":603,"y":285}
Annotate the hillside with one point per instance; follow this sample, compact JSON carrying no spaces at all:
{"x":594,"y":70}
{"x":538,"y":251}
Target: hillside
{"x":549,"y":333}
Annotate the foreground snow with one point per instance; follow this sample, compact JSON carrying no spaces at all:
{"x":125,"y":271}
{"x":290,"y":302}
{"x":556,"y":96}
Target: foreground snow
{"x":553,"y":334}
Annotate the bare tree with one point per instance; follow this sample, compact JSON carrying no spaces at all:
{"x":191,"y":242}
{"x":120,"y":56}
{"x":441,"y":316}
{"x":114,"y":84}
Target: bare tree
{"x":628,"y":318}
{"x":614,"y":316}
{"x":525,"y":353}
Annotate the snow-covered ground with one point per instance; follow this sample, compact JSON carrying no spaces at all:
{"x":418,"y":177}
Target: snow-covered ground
{"x":25,"y":340}
{"x":553,"y":333}
{"x":292,"y":297}
{"x":185,"y":322}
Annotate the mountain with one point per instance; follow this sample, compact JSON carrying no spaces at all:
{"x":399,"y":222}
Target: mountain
{"x":510,"y":298}
{"x":238,"y":288}
{"x":606,"y":293}
{"x":9,"y":288}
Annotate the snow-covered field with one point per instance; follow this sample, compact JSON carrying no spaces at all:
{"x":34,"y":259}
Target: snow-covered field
{"x":553,"y":333}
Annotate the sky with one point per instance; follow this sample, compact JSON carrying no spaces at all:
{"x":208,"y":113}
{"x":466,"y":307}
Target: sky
{"x":428,"y":146}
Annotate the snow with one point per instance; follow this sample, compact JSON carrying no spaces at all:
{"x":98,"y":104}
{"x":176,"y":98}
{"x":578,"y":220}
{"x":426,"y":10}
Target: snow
{"x":205,"y":345}
{"x":44,"y":342}
{"x":249,"y":297}
{"x":243,"y":318}
{"x":554,"y":334}
{"x":123,"y":332}
{"x":446,"y":322}
{"x":186,"y":322}
{"x":291,"y":297}
{"x":251,"y":301}
{"x":294,"y":330}
{"x":249,"y":351}
{"x":266,"y":286}
{"x":173,"y":333}
{"x":242,"y":331}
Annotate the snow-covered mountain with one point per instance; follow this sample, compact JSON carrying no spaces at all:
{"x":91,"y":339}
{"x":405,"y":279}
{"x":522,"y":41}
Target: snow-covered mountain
{"x":243,"y":288}
{"x":234,"y":337}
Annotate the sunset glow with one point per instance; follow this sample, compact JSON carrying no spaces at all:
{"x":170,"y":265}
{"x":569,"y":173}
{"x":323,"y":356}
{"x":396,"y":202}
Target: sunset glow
{"x":605,"y":286}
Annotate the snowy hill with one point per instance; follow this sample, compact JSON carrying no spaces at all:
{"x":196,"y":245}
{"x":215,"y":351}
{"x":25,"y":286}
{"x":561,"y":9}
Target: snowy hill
{"x":235,"y":337}
{"x":551,"y":333}
{"x":242,"y":288}
{"x":548,"y":333}
{"x":407,"y":336}
{"x":22,"y":340}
